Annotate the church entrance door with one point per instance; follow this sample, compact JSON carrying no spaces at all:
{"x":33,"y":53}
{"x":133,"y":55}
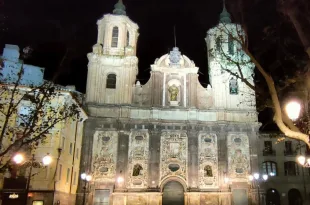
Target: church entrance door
{"x":173,"y":194}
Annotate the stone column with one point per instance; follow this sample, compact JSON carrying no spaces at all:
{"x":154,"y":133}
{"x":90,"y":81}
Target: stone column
{"x":193,"y":158}
{"x":154,"y":168}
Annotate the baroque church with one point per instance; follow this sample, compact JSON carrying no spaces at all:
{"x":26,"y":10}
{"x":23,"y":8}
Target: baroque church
{"x":170,"y":141}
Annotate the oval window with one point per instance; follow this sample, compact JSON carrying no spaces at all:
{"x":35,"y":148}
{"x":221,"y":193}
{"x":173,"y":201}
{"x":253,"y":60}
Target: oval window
{"x":139,"y":137}
{"x":208,"y":140}
{"x":105,"y":139}
{"x":174,"y":167}
{"x":237,"y":140}
{"x":103,"y":169}
{"x":239,"y":170}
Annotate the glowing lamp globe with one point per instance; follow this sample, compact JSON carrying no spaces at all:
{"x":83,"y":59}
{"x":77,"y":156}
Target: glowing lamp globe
{"x":256,"y":175}
{"x":88,"y":178}
{"x":120,"y":179}
{"x":265,"y":177}
{"x":301,"y":160}
{"x":18,"y":158}
{"x":293,"y":110}
{"x":47,"y":160}
{"x":83,"y":176}
{"x":251,"y":178}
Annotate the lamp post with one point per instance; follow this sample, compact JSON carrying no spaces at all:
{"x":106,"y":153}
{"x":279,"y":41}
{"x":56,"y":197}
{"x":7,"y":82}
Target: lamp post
{"x":293,"y":110}
{"x":86,"y":178}
{"x":20,"y":159}
{"x":256,"y":178}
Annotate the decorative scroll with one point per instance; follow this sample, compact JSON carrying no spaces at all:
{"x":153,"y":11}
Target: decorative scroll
{"x":138,"y":155}
{"x":208,"y":161}
{"x":173,"y":156}
{"x":104,"y":155}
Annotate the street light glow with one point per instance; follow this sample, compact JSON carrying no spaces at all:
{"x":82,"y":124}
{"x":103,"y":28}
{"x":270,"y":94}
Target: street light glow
{"x":256,"y":175}
{"x":120,"y":179}
{"x":83,"y":176}
{"x":251,"y":178}
{"x":19,"y":158}
{"x":47,"y":160}
{"x":265,"y":177}
{"x":293,"y":109}
{"x":301,"y":160}
{"x":88,"y":178}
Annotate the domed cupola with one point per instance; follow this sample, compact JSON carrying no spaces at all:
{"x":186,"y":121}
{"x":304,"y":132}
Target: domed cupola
{"x":119,"y":8}
{"x":225,"y":16}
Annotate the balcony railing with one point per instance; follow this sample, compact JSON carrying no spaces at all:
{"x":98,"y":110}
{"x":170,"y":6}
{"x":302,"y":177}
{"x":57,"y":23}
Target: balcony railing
{"x":290,"y":153}
{"x":269,"y":152}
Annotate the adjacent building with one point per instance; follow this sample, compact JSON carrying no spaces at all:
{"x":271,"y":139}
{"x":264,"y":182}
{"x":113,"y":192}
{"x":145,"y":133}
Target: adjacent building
{"x":56,"y":183}
{"x":290,"y":183}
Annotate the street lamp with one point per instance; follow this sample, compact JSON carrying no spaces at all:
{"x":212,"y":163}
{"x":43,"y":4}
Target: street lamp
{"x":293,"y":109}
{"x":256,"y":178}
{"x":86,"y":178}
{"x":20,"y":160}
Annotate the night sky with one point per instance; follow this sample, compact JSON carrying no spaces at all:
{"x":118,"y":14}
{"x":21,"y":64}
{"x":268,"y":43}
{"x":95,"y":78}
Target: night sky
{"x":54,"y":27}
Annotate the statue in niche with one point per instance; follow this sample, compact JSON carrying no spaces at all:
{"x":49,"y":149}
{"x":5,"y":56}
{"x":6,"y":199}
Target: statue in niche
{"x":208,"y":171}
{"x":239,"y":161}
{"x":233,"y":86}
{"x":137,"y":170}
{"x":174,"y":149}
{"x":174,"y":91}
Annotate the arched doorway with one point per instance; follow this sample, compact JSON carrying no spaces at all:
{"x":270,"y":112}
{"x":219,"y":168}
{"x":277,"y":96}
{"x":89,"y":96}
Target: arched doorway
{"x":294,"y":197}
{"x":272,"y":197}
{"x":173,"y":193}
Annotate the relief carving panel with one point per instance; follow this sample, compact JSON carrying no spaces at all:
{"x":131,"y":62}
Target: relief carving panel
{"x":238,"y":157}
{"x":173,"y":156}
{"x":138,"y":155}
{"x":104,"y":156}
{"x":208,"y":160}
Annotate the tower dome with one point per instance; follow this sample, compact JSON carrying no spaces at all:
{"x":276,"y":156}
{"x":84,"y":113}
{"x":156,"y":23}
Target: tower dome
{"x":119,"y":8}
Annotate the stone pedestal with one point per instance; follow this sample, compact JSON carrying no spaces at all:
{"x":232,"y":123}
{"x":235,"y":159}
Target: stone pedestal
{"x":174,"y":103}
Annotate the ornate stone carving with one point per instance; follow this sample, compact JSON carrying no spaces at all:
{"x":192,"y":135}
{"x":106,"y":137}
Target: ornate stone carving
{"x":238,"y":157}
{"x":104,"y":155}
{"x":208,"y":160}
{"x":175,"y":56}
{"x":138,"y":155}
{"x":173,"y":156}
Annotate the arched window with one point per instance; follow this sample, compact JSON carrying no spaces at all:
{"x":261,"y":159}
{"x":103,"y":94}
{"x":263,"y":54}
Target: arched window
{"x":111,"y":81}
{"x":233,"y":86}
{"x":114,"y":37}
{"x":270,"y":168}
{"x":231,"y":46}
{"x":128,"y":38}
{"x":291,"y":168}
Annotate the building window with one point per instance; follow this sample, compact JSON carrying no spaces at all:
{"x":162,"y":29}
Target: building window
{"x":270,"y":168}
{"x":288,"y":148}
{"x":233,"y":86}
{"x":77,"y":153}
{"x":114,"y":37}
{"x":70,"y":150}
{"x":291,"y":168}
{"x":59,"y":173}
{"x":68,"y":175}
{"x":74,"y":178}
{"x":231,"y":47}
{"x":63,"y":139}
{"x":128,"y":38}
{"x":268,"y":148}
{"x":111,"y":81}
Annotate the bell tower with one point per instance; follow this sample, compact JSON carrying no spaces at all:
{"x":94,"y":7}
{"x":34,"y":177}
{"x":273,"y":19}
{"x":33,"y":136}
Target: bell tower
{"x":223,"y":44}
{"x":113,"y":64}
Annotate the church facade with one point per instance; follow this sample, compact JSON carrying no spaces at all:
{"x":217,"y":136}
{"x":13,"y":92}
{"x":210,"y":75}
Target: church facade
{"x":170,"y":141}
